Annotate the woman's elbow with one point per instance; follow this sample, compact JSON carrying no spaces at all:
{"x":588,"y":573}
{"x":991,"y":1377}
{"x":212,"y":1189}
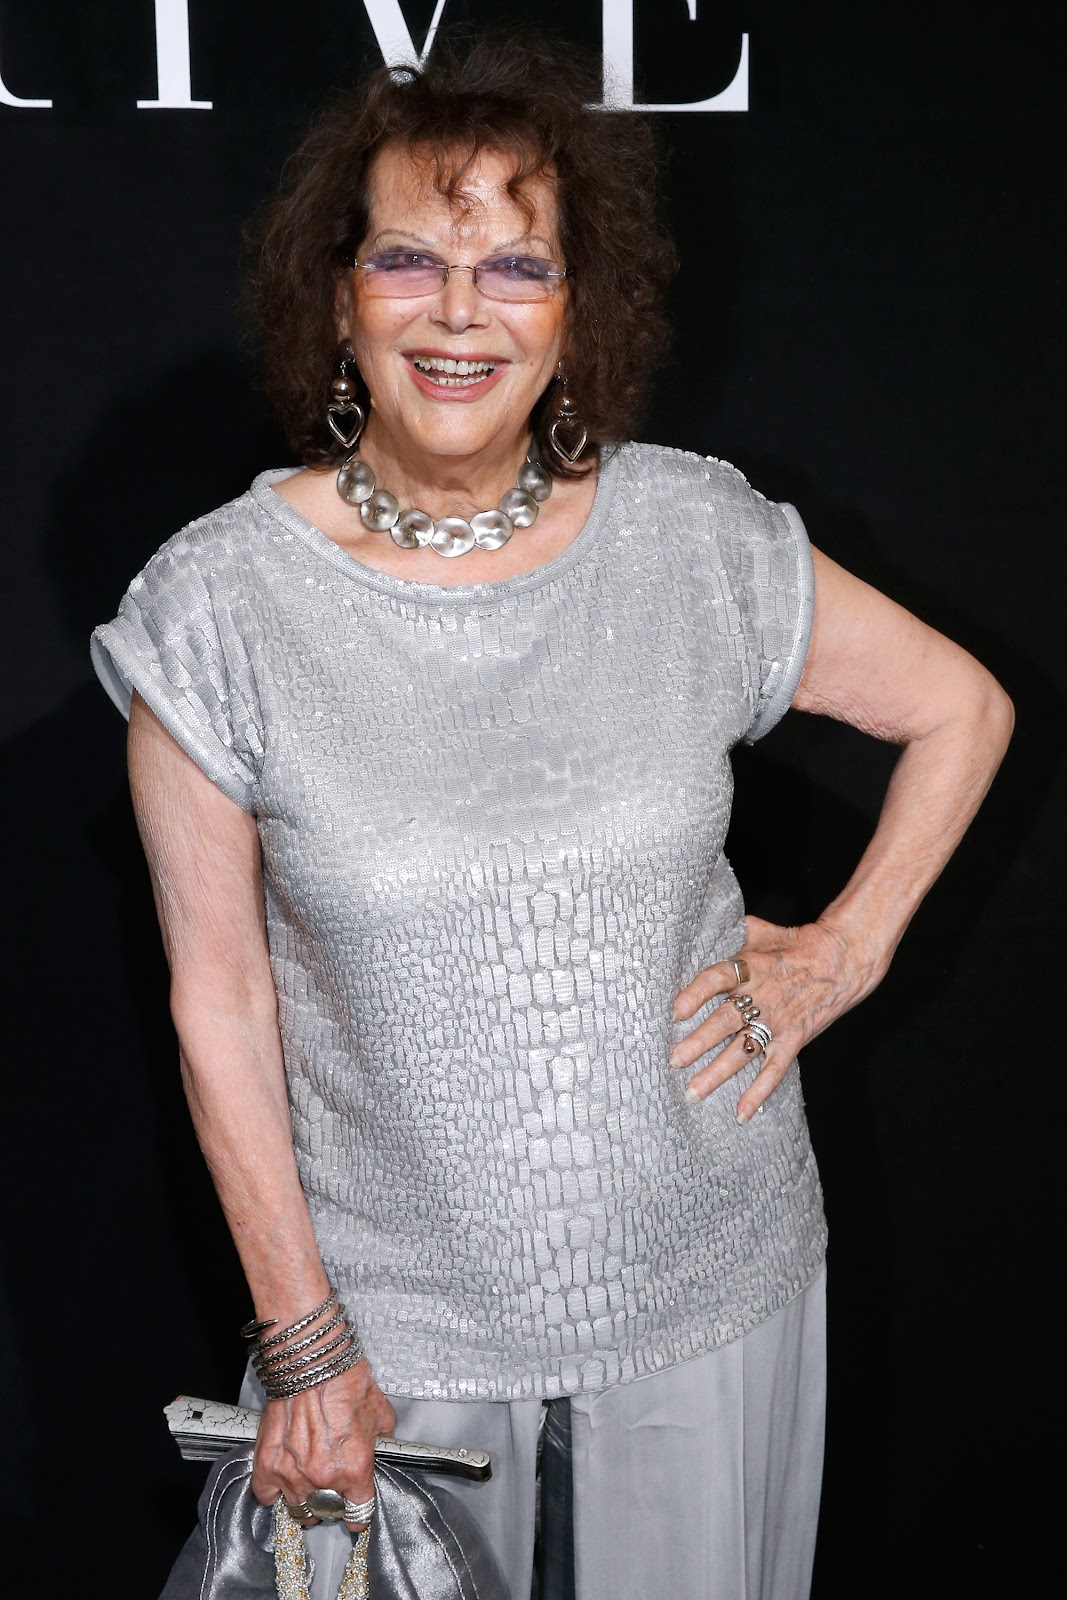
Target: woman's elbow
{"x":1001,"y":711}
{"x":992,"y":713}
{"x":221,"y":1004}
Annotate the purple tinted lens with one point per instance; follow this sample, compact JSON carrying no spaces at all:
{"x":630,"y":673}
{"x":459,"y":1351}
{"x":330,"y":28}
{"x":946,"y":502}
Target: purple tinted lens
{"x":402,"y":273}
{"x":518,"y":277}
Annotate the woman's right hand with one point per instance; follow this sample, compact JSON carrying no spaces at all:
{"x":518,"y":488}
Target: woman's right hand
{"x":322,"y":1438}
{"x":206,"y":864}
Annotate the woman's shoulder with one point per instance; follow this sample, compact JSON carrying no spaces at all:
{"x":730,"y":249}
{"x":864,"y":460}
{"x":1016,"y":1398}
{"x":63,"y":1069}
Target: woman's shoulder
{"x":667,"y":469}
{"x":703,"y":491}
{"x":214,"y":547}
{"x":232,"y":523}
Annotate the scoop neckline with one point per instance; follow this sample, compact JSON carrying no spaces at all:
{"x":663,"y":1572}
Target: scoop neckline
{"x":262,"y":491}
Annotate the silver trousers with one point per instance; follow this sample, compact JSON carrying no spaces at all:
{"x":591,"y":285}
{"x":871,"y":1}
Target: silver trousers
{"x":701,"y":1482}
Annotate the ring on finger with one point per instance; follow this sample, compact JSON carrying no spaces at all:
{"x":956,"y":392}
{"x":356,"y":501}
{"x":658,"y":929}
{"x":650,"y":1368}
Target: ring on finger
{"x":757,"y":1037}
{"x":747,"y":1006}
{"x":740,"y":966}
{"x":301,"y":1510}
{"x":361,"y":1511}
{"x":334,"y":1507}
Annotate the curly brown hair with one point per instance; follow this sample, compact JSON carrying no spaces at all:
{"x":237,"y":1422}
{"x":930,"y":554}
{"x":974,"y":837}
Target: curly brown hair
{"x":518,"y":94}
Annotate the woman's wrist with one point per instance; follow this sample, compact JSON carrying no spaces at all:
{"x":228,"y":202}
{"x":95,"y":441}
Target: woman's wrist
{"x":316,"y":1346}
{"x":864,"y":942}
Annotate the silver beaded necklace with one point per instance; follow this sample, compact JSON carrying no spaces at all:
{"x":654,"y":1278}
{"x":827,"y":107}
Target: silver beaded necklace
{"x":449,"y":536}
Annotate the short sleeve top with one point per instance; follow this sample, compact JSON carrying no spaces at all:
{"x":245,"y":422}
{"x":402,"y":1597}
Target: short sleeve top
{"x":492,"y":819}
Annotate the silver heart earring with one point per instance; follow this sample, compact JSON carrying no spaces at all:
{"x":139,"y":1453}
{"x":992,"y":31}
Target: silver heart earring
{"x":343,"y":404}
{"x":567,"y":436}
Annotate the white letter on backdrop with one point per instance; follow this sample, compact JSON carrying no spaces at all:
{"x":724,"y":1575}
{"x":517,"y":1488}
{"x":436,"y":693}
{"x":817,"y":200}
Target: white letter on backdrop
{"x":394,"y":35}
{"x":9,"y":99}
{"x":174,"y":84}
{"x":619,"y":66}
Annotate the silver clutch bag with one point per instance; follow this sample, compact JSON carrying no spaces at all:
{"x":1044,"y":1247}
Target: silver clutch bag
{"x":422,"y":1542}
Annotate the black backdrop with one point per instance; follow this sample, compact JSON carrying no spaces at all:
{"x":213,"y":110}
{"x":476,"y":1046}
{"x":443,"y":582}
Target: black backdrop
{"x":868,"y":324}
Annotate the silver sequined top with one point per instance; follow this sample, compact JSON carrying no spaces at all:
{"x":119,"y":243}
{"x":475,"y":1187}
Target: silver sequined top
{"x":492,"y":819}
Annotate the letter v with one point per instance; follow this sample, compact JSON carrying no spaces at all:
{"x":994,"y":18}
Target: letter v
{"x":393,"y":35}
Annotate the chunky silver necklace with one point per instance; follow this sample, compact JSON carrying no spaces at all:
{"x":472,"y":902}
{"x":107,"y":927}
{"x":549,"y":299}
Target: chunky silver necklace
{"x":449,"y":536}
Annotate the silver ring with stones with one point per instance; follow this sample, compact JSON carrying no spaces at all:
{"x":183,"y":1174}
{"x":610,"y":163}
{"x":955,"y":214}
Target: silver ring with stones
{"x":757,"y":1037}
{"x":360,"y":1510}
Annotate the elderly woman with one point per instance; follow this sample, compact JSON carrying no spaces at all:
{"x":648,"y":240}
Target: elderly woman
{"x":430,"y":753}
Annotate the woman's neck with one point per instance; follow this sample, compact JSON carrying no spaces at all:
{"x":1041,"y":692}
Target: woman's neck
{"x":443,"y":486}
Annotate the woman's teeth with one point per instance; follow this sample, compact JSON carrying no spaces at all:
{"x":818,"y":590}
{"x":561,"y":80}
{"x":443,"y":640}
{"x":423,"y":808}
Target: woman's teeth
{"x":453,"y":374}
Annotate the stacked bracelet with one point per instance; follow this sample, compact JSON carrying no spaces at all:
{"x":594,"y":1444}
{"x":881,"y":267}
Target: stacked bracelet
{"x":286,"y":1365}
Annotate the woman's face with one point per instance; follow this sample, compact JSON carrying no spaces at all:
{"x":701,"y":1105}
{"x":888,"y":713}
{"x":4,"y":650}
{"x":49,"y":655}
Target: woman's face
{"x":400,"y":343}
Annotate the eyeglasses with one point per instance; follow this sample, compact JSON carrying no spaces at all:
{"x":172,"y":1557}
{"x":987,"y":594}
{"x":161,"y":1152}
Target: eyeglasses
{"x":406,"y":274}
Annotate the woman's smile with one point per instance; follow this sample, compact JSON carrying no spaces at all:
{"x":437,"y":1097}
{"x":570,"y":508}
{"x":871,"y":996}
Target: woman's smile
{"x":452,"y":375}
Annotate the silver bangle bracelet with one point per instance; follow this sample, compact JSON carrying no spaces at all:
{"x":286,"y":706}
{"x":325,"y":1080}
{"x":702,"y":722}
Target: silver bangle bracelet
{"x":286,"y":1365}
{"x":280,"y":1390}
{"x":254,"y":1331}
{"x":262,"y":1360}
{"x":313,"y":1358}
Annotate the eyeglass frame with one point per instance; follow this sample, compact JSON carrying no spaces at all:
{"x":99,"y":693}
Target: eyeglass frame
{"x":348,"y":257}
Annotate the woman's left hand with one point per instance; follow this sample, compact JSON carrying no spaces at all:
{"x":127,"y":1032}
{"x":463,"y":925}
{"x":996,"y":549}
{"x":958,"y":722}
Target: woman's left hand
{"x":876,"y":668}
{"x":799,"y":979}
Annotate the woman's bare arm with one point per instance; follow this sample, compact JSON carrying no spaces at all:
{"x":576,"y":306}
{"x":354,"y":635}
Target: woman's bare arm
{"x":875,"y":666}
{"x":204,"y":858}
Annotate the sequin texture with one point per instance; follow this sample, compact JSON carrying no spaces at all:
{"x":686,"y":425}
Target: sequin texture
{"x":492,"y":819}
